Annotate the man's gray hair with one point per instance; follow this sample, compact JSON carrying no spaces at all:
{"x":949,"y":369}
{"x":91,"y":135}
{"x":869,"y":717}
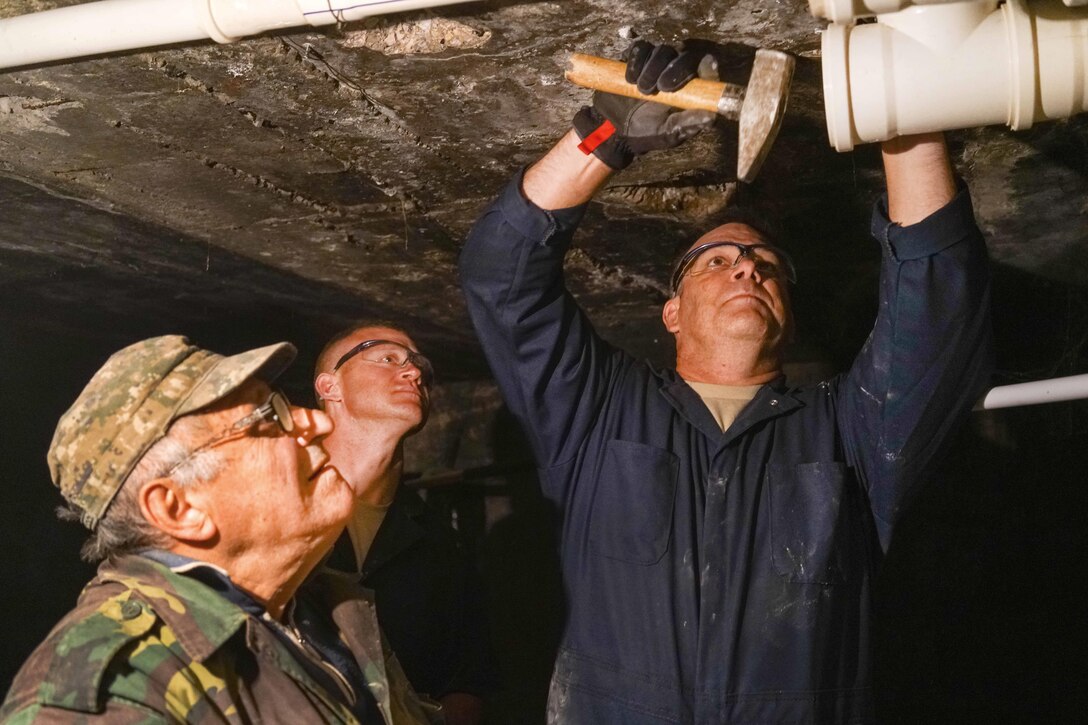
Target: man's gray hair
{"x":123,"y":529}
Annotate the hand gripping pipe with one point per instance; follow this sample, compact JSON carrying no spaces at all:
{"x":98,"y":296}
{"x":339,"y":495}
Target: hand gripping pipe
{"x":946,"y":65}
{"x":110,"y":26}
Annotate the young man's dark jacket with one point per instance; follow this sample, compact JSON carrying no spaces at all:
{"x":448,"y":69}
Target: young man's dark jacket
{"x":726,"y":577}
{"x":429,"y":599}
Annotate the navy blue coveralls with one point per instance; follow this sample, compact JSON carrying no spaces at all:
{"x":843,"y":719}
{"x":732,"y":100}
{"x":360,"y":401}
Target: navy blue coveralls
{"x":725,"y":577}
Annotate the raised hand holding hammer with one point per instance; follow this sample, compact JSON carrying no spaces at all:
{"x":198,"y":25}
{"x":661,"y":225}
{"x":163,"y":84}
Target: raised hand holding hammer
{"x":610,"y":133}
{"x":758,"y":107}
{"x":657,"y":99}
{"x":617,"y":128}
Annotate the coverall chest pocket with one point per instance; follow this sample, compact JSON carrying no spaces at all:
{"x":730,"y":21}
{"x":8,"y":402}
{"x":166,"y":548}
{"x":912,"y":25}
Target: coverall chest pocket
{"x":632,"y":507}
{"x":806,"y":500}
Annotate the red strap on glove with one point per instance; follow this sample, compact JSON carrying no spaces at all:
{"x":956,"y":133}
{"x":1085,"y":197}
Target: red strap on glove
{"x":598,"y":137}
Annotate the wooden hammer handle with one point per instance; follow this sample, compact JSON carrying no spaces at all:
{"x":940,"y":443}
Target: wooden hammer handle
{"x":609,"y":76}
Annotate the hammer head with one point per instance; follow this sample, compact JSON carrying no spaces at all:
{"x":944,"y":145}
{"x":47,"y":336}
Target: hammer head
{"x":762,"y":110}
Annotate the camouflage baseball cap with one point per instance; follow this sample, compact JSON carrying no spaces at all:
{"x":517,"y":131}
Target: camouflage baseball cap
{"x":129,"y":405}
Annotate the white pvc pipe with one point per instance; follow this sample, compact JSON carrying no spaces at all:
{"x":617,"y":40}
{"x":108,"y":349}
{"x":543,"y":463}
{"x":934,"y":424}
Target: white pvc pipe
{"x":1055,"y":390}
{"x":846,"y":11}
{"x":110,"y":26}
{"x":954,"y":65}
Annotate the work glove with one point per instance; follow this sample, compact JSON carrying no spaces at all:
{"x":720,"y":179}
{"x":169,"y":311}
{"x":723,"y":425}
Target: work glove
{"x":616,"y":129}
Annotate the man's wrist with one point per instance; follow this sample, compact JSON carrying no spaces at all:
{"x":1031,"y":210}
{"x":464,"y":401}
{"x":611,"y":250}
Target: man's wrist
{"x":919,"y":176}
{"x":564,"y":177}
{"x":599,"y":137}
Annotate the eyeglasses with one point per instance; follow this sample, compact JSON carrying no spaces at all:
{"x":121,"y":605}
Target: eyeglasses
{"x":386,"y":352}
{"x":770,"y":261}
{"x":277,"y":408}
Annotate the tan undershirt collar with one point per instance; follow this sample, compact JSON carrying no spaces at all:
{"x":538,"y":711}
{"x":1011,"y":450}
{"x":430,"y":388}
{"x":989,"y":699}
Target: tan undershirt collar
{"x":725,"y":402}
{"x":363,"y":527}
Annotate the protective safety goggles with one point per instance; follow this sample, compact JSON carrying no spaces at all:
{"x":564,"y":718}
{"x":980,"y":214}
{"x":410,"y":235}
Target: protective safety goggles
{"x":393,"y":354}
{"x":769,"y":260}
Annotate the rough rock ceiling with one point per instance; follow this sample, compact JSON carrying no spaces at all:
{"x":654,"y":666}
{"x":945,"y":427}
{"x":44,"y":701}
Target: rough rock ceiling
{"x":336,"y":172}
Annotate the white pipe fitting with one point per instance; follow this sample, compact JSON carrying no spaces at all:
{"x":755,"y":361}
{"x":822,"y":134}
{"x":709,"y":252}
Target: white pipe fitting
{"x":110,"y":26}
{"x":1074,"y":387}
{"x":845,"y":11}
{"x":954,"y":65}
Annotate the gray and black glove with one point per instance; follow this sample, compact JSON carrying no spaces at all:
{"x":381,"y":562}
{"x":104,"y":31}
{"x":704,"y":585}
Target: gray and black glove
{"x":616,"y":129}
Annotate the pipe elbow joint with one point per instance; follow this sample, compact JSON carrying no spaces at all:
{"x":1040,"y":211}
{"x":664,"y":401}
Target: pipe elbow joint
{"x":955,"y":65}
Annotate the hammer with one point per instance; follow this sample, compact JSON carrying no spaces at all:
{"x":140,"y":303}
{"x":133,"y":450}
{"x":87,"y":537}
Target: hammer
{"x":759,"y":106}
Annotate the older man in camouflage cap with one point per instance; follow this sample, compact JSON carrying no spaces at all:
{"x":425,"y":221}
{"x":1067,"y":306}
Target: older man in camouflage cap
{"x":210,"y":499}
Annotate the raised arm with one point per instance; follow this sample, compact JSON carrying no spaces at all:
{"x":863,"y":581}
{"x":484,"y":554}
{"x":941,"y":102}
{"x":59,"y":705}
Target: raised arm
{"x":550,"y":364}
{"x":929,"y":353}
{"x":919,"y":176}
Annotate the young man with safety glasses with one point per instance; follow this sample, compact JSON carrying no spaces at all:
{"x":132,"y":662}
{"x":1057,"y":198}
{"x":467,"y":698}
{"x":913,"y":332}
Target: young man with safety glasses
{"x":375,"y":385}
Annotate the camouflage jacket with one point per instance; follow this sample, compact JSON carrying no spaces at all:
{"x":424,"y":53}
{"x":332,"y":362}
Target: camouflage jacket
{"x":147,"y":645}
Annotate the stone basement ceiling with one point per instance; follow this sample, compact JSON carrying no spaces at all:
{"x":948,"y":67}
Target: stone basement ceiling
{"x":334,"y":173}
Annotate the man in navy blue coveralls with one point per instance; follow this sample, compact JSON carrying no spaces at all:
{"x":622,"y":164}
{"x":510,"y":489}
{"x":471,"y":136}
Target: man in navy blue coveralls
{"x":724,"y":576}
